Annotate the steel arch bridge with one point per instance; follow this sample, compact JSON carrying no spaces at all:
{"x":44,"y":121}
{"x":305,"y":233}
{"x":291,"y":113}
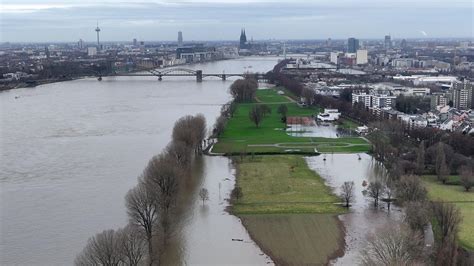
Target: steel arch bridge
{"x":185,"y":72}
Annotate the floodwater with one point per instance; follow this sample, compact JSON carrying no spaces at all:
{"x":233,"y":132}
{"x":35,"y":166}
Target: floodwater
{"x":70,"y":151}
{"x":363,"y":219}
{"x":318,"y":129}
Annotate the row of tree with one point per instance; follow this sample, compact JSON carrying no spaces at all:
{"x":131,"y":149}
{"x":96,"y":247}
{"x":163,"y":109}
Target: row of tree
{"x":152,"y":205}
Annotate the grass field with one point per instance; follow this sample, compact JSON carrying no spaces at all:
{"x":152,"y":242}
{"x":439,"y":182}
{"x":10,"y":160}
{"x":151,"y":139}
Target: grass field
{"x":241,"y":135}
{"x":282,"y":184}
{"x":464,"y":200}
{"x":297,"y":239}
{"x":288,"y":210}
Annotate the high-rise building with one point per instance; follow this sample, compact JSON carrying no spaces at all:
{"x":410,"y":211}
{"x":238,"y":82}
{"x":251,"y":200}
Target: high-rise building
{"x":180,"y":39}
{"x":80,"y":44}
{"x":135,"y":42}
{"x":438,"y":99}
{"x":388,"y":42}
{"x":362,"y":57}
{"x":352,"y":45}
{"x":463,"y":95}
{"x":403,"y":44}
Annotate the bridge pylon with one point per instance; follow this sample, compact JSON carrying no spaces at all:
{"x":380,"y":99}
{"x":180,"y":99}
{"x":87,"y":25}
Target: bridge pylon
{"x":199,"y":75}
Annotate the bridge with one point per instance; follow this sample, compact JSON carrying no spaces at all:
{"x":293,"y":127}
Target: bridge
{"x":184,"y":72}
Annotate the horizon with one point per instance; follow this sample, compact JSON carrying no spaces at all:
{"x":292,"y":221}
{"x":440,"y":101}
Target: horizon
{"x":237,"y":41}
{"x":26,"y":21}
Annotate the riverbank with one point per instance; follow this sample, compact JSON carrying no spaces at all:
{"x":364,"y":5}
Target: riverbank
{"x":288,"y":210}
{"x":35,"y":83}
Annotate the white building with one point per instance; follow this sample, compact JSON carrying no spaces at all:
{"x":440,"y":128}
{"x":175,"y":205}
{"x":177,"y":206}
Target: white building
{"x":381,"y":101}
{"x":374,"y":100}
{"x":362,"y":98}
{"x":334,"y":57}
{"x":92,"y":51}
{"x":414,"y":121}
{"x":362,"y":57}
{"x":329,"y":115}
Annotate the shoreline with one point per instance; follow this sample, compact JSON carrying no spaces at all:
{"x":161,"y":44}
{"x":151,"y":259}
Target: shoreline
{"x":21,"y":85}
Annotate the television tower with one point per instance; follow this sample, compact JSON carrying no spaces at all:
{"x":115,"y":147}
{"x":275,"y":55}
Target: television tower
{"x":98,"y":30}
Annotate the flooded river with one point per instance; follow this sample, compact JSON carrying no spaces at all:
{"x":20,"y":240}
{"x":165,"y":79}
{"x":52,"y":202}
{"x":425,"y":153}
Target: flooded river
{"x":70,"y":151}
{"x":363,"y":219}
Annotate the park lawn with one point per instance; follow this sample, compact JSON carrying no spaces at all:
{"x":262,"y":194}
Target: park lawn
{"x":463,"y":200}
{"x":297,"y":239}
{"x":269,"y":96}
{"x":288,"y":210}
{"x":282,"y":184}
{"x":241,"y":135}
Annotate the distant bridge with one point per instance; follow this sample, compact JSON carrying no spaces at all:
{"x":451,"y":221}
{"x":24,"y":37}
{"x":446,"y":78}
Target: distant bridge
{"x":184,"y":72}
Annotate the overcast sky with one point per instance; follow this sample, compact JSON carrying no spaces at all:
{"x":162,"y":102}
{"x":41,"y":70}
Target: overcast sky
{"x":156,"y":20}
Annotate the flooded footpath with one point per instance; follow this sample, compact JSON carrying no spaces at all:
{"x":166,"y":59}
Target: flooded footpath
{"x":207,"y":233}
{"x":363,"y":219}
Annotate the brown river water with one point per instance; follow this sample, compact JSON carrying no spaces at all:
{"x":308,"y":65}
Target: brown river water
{"x":70,"y":151}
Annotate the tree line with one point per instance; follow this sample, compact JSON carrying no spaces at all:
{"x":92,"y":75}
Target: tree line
{"x":152,"y":205}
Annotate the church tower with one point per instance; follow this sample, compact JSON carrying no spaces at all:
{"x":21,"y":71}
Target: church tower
{"x":243,"y":39}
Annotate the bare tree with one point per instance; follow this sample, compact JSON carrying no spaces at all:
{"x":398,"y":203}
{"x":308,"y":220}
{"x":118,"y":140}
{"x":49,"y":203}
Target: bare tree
{"x":443,"y":172}
{"x":101,"y":249}
{"x":388,"y":192}
{"x":133,"y":245}
{"x":244,"y":89}
{"x":347,"y":192}
{"x":420,"y":159}
{"x":256,"y":115}
{"x":282,"y":110}
{"x":375,"y":190}
{"x":219,"y":126}
{"x":410,"y":188}
{"x":308,"y":95}
{"x":448,"y":218}
{"x":467,"y":178}
{"x":232,"y":108}
{"x":142,"y":210}
{"x":199,"y":131}
{"x":180,"y":153}
{"x":441,"y":165}
{"x":266,"y":110}
{"x":393,"y":246}
{"x":163,"y":175}
{"x":190,"y":130}
{"x":204,"y":195}
{"x":417,"y":215}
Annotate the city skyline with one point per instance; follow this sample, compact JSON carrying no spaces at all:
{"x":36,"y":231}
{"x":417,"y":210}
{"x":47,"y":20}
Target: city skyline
{"x":56,"y":21}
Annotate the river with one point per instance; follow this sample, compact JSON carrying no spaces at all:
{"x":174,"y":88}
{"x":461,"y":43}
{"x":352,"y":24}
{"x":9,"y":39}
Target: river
{"x":70,"y":151}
